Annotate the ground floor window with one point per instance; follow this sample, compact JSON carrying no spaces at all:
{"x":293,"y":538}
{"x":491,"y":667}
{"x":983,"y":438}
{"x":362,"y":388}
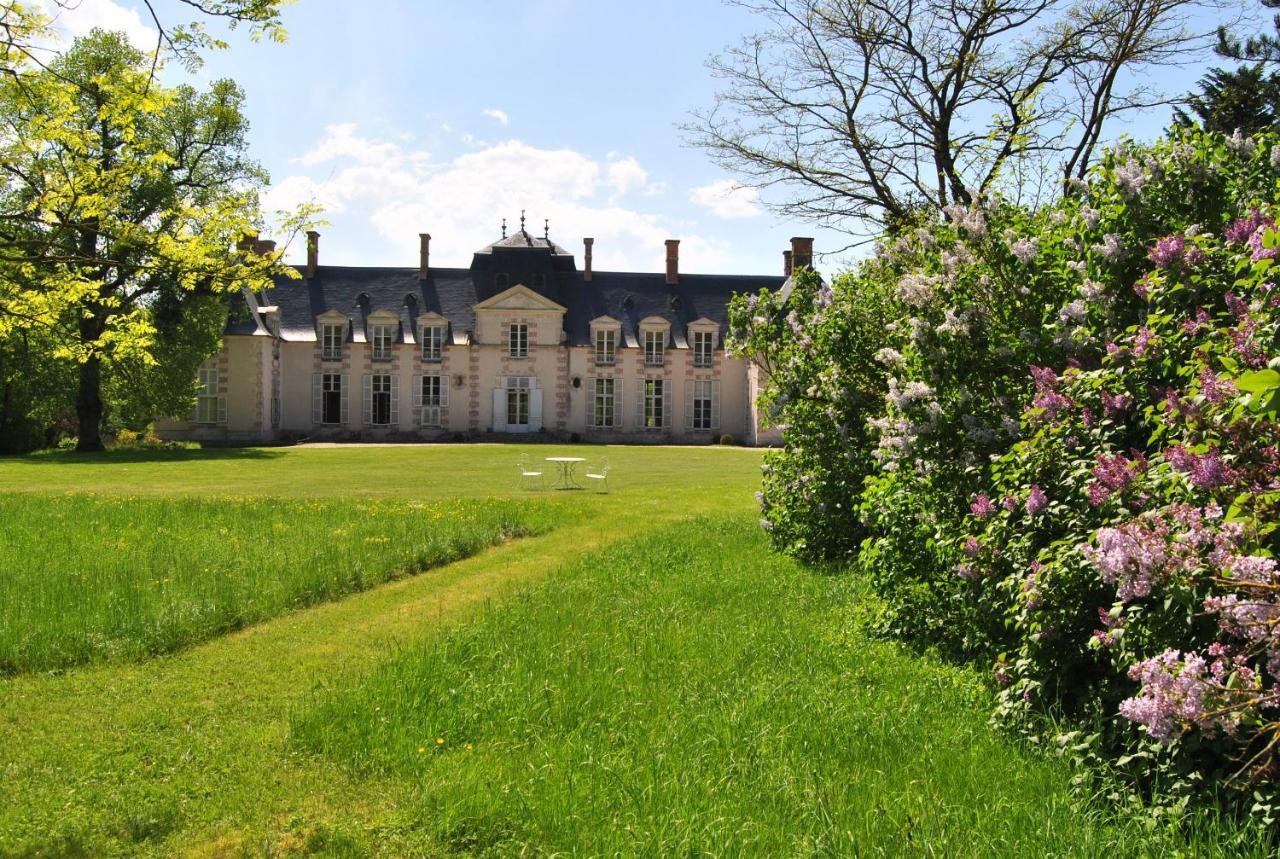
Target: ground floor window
{"x":518,"y":400}
{"x":432,"y":393}
{"x":380,"y":399}
{"x":331,"y":399}
{"x":704,"y":404}
{"x":605,"y":397}
{"x":208,"y":403}
{"x":655,"y":404}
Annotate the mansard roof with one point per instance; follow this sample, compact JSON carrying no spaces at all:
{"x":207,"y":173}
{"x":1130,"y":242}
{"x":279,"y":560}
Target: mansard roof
{"x":358,"y":291}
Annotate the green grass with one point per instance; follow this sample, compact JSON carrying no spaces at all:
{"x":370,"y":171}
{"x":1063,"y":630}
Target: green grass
{"x":135,"y":577}
{"x":629,"y":682}
{"x":687,"y":693}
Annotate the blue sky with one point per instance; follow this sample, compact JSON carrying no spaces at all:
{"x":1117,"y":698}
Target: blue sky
{"x":405,"y":117}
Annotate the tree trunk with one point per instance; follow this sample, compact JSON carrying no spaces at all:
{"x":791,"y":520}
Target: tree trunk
{"x":89,"y":406}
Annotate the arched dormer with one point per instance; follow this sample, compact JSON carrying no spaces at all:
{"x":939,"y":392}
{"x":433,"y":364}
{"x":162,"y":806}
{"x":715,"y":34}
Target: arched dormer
{"x":333,"y":332}
{"x":655,"y":337}
{"x":383,"y":334}
{"x":704,"y":340}
{"x":433,"y":332}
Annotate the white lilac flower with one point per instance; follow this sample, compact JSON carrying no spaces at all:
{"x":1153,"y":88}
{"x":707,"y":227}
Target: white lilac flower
{"x":1072,"y":312}
{"x":917,"y":289}
{"x":1111,"y":249}
{"x":1130,"y":178}
{"x":1058,"y":218}
{"x":1242,"y":145}
{"x":917,"y":390}
{"x":1025,"y":249}
{"x":1073,"y":244}
{"x":1091,"y":290}
{"x":968,"y":218}
{"x":1091,"y":216}
{"x":889,"y":357}
{"x":1275,"y":157}
{"x":1078,"y":265}
{"x":953,"y":323}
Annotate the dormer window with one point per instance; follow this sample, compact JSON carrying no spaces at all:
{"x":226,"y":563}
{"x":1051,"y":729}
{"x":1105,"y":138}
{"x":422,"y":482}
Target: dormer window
{"x":381,"y":342}
{"x":332,"y":335}
{"x":655,"y":344}
{"x":432,"y":338}
{"x":501,"y":280}
{"x":606,"y":342}
{"x":703,"y":348}
{"x":538,"y":281}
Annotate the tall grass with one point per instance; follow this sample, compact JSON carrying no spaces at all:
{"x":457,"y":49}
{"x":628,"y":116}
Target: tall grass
{"x":86,"y":578}
{"x":689,"y":693}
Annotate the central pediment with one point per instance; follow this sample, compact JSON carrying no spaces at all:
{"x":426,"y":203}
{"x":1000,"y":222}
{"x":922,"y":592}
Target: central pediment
{"x":519,"y":297}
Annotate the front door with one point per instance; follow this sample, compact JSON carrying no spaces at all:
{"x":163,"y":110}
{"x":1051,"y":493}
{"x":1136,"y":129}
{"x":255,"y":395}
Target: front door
{"x":517,"y":405}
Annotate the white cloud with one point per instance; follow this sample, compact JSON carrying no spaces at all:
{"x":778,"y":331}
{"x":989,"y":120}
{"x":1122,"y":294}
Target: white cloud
{"x":399,"y":192}
{"x":727,"y":199}
{"x":500,"y":115}
{"x":77,"y":19}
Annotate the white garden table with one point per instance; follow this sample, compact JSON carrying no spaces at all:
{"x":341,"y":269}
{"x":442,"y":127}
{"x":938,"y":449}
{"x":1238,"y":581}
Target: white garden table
{"x":568,"y":464}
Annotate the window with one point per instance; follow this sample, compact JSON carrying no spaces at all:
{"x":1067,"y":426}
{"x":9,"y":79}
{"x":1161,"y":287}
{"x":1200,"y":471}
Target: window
{"x":655,"y":404}
{"x":518,"y":339}
{"x":380,"y":399}
{"x":704,"y":404}
{"x":604,"y":404}
{"x":654,"y":344}
{"x":501,"y":280}
{"x":330,"y":398}
{"x":606,"y":343}
{"x":518,"y":400}
{"x":432,"y":392}
{"x":208,"y":403}
{"x":382,"y":342}
{"x":432,"y":337}
{"x":703,"y":344}
{"x":538,"y":281}
{"x":332,"y":334}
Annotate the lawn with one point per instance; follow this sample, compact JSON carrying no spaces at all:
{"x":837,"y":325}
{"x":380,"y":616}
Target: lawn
{"x":637,"y":674}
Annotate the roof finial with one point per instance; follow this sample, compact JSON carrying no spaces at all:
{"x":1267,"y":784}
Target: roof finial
{"x":504,"y":228}
{"x":522,"y":220}
{"x":546,"y":228}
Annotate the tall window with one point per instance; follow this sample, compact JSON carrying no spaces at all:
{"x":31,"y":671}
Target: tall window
{"x":604,"y":412}
{"x":702,"y":405}
{"x":207,"y":398}
{"x":331,"y":398}
{"x":382,"y":342}
{"x":518,"y":339}
{"x":432,"y":400}
{"x":331,"y":336}
{"x":606,"y":343}
{"x":655,"y":343}
{"x":432,"y":337}
{"x":518,"y":400}
{"x":655,"y":403}
{"x":702,"y":348}
{"x":380,"y":406}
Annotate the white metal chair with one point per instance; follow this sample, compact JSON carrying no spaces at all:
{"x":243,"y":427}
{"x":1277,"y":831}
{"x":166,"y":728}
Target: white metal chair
{"x":600,"y":473}
{"x":527,"y":475}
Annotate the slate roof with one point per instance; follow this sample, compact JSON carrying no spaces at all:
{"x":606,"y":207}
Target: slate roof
{"x":358,"y":291}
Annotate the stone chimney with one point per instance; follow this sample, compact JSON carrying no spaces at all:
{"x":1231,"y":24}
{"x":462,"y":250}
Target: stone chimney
{"x":313,"y":253}
{"x":786,"y":263}
{"x":673,"y":262}
{"x":586,"y":258}
{"x":264,"y":248}
{"x":801,"y":252}
{"x":424,"y":255}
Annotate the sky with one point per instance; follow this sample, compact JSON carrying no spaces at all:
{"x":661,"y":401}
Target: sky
{"x":405,"y":116}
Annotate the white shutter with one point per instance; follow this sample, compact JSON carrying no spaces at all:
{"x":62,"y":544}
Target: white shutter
{"x":715,"y":405}
{"x":222,"y":410}
{"x":367,"y":414}
{"x":616,"y":418}
{"x":444,"y":390}
{"x":417,"y":401}
{"x":666,"y":404}
{"x":342,"y":387}
{"x":499,"y":409}
{"x":688,"y":405}
{"x":640,"y":403}
{"x":591,"y":401}
{"x":395,"y":400}
{"x":317,"y":408}
{"x":535,"y":409}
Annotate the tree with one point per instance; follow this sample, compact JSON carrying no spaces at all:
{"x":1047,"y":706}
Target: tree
{"x":122,"y":198}
{"x":870,"y":110}
{"x":1246,"y":99}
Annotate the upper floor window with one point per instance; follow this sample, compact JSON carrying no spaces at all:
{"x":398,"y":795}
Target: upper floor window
{"x":606,"y":344}
{"x":703,"y":346}
{"x":655,"y":342}
{"x":332,"y":334}
{"x":381,"y":342}
{"x":501,"y":280}
{"x":538,"y":281}
{"x":432,"y":338}
{"x":518,"y":339}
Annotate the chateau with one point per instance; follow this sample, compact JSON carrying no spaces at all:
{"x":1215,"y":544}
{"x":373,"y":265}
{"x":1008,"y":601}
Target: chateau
{"x":521,"y":342}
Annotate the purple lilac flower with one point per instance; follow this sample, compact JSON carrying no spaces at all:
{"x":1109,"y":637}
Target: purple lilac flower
{"x":1207,"y":470}
{"x":1142,"y":342}
{"x":1240,"y":231}
{"x":1167,"y":251}
{"x":1112,"y":474}
{"x":1009,"y":502}
{"x":1133,"y":557}
{"x":1217,"y":389}
{"x":968,"y":572}
{"x":1174,"y":694}
{"x":982,"y":506}
{"x":1114,"y":405}
{"x":1195,"y":326}
{"x":1259,"y":250}
{"x":972,"y":546}
{"x":1036,"y":500}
